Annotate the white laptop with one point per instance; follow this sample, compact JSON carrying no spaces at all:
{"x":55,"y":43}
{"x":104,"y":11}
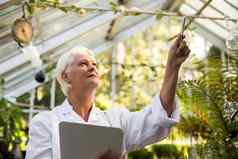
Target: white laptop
{"x":82,"y":141}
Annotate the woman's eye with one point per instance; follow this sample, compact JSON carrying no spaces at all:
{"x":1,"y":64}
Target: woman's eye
{"x":83,"y":64}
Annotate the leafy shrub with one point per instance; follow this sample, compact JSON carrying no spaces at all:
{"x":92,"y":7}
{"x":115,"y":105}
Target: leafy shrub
{"x":166,"y":151}
{"x":141,"y":154}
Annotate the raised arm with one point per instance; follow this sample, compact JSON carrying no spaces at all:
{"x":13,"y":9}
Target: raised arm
{"x":153,"y":123}
{"x":177,"y":55}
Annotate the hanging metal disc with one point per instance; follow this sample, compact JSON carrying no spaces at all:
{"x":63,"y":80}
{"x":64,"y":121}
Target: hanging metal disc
{"x":22,"y":31}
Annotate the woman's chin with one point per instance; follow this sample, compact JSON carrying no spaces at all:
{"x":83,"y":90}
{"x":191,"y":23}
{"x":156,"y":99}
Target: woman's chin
{"x":93,"y":83}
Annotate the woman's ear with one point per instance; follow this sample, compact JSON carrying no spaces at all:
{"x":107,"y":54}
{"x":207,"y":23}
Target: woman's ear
{"x":64,"y":76}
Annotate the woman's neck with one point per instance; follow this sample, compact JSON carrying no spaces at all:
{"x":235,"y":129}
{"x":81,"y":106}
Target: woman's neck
{"x":82,"y":103}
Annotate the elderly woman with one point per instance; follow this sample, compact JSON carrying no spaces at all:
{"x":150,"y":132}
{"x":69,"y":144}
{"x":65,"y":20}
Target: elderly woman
{"x":78,"y":77}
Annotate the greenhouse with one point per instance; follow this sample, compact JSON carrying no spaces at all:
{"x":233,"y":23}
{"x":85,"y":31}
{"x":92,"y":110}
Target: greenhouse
{"x":165,"y":73}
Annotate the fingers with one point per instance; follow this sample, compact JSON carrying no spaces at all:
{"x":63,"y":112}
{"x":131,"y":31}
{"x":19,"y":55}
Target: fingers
{"x":177,"y":42}
{"x":179,"y":51}
{"x":187,"y":51}
{"x":183,"y":48}
{"x":179,"y":39}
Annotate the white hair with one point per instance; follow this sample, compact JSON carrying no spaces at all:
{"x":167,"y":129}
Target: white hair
{"x":64,"y":61}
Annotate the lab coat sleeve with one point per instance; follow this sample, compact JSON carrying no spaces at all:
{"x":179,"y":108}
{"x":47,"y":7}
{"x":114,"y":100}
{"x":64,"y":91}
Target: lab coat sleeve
{"x":39,"y":145}
{"x":147,"y":126}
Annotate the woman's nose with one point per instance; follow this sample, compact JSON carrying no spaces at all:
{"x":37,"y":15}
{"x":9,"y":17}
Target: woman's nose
{"x":91,"y":67}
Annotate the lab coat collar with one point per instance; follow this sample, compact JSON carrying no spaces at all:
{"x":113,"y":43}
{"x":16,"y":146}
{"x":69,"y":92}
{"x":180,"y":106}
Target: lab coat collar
{"x":67,"y":109}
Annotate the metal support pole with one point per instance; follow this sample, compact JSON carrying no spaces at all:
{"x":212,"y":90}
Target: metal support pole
{"x":52,"y":94}
{"x":32,"y":99}
{"x":113,"y":75}
{"x":133,"y":88}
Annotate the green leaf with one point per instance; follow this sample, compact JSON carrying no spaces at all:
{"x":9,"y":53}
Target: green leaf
{"x":64,"y":9}
{"x":158,"y":14}
{"x":113,"y":5}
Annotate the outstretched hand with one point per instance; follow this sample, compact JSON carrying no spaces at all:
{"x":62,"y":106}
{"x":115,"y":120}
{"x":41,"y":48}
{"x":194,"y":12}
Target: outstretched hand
{"x":178,"y":52}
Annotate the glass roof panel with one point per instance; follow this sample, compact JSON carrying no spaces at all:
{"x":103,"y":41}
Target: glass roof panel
{"x":209,"y":24}
{"x":233,"y":3}
{"x":209,"y":11}
{"x":225,"y":8}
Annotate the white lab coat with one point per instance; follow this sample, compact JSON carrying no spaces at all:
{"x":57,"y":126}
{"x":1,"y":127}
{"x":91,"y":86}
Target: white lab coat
{"x":141,"y":128}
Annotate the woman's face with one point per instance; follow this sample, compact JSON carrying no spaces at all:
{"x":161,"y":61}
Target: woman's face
{"x":82,"y":73}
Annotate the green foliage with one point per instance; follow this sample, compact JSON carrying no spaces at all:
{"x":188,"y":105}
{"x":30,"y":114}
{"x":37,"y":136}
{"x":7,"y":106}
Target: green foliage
{"x":11,"y":125}
{"x":10,"y":121}
{"x":204,"y":99}
{"x":113,"y":5}
{"x":166,"y":150}
{"x":158,"y":14}
{"x":163,"y":151}
{"x":141,"y":154}
{"x":33,"y":5}
{"x":194,"y":126}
